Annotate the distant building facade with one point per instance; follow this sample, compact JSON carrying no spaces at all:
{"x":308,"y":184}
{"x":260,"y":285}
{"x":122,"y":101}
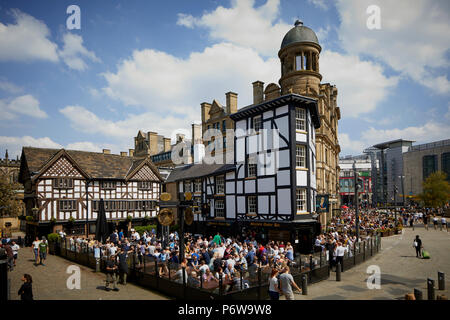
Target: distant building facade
{"x":422,"y":160}
{"x":363,"y":165}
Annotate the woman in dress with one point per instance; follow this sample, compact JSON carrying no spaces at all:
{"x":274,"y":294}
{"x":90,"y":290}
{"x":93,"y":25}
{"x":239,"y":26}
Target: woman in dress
{"x":274,"y":291}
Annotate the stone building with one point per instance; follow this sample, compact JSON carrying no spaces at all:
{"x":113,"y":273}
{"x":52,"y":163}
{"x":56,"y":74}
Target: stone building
{"x":10,"y":168}
{"x":215,"y":116}
{"x":299,"y":57}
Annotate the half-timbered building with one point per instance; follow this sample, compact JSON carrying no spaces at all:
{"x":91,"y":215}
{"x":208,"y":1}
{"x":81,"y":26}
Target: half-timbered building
{"x":63,"y":189}
{"x":271,"y":185}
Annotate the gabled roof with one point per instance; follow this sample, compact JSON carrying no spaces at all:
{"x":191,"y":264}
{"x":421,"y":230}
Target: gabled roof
{"x":280,"y":101}
{"x":92,"y":164}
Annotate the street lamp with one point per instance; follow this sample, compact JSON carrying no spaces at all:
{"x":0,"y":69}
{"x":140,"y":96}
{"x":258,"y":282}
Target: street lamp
{"x":403,"y":189}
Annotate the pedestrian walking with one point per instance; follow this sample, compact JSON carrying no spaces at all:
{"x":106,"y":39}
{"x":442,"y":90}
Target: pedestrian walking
{"x":35,"y":250}
{"x":274,"y":291}
{"x":411,"y":222}
{"x":15,"y":248}
{"x":43,"y":248}
{"x":444,"y":222}
{"x":123,"y":266}
{"x":111,"y":273}
{"x":26,"y":290}
{"x":287,"y":282}
{"x":417,"y":244}
{"x":9,"y":255}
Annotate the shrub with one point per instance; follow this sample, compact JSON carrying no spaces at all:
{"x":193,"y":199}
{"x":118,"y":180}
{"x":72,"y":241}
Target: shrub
{"x":148,"y":228}
{"x":53,"y":237}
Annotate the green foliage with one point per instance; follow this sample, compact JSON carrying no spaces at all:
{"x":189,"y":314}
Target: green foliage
{"x":53,"y":237}
{"x":148,"y":228}
{"x":71,"y":220}
{"x":436,"y":190}
{"x":29,"y":218}
{"x":9,"y":204}
{"x":129,"y":218}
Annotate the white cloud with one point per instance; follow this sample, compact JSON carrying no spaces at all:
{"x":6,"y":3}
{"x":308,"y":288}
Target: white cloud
{"x":73,"y":52}
{"x":322,"y":4}
{"x":84,"y":146}
{"x":361,"y":84}
{"x":123,"y":131}
{"x":15,"y":144}
{"x":164,"y":83}
{"x":10,"y":87}
{"x":26,"y":40}
{"x":186,"y":20}
{"x":25,"y":105}
{"x":244,"y":25}
{"x":414,"y":38}
{"x":430,"y":131}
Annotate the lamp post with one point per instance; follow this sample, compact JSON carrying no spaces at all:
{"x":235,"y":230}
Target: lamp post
{"x":87,"y":208}
{"x":356,"y":202}
{"x":403,"y":189}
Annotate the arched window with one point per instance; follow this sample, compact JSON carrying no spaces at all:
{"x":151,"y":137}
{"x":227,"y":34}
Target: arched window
{"x":298,"y":62}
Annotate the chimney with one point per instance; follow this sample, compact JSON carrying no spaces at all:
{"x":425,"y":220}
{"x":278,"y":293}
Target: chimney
{"x":258,"y":92}
{"x":167,"y":142}
{"x":231,"y":102}
{"x":106,"y":151}
{"x":196,"y":134}
{"x":205,"y":111}
{"x":123,"y":153}
{"x":131,"y":152}
{"x":152,"y":143}
{"x":180,"y":137}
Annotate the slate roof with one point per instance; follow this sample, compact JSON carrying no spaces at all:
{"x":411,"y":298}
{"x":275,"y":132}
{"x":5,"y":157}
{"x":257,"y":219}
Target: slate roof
{"x":96,"y":165}
{"x":193,"y":171}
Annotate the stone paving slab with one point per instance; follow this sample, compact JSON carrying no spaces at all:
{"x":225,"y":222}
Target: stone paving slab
{"x":50,"y":282}
{"x":401,"y":271}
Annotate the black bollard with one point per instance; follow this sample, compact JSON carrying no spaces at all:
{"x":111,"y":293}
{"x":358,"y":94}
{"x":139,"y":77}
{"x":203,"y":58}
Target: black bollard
{"x":418,"y":294}
{"x":304,"y":285}
{"x":430,"y":287}
{"x":338,"y":271}
{"x":441,"y":280}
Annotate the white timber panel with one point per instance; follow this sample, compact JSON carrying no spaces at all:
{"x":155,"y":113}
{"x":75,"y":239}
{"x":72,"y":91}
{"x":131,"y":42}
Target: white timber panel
{"x":240,"y":150}
{"x":281,"y":110}
{"x":302,"y":179}
{"x":230,"y":187}
{"x":239,"y":187}
{"x":263,"y":204}
{"x":231,"y":210}
{"x":273,"y":200}
{"x":300,"y":137}
{"x":241,"y":128}
{"x":241,"y":204}
{"x":284,"y":158}
{"x":284,"y":201}
{"x":284,"y":177}
{"x":266,"y":185}
{"x":250,"y":186}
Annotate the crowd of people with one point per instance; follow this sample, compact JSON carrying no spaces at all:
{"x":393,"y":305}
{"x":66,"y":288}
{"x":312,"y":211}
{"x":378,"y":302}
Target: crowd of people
{"x":219,"y":262}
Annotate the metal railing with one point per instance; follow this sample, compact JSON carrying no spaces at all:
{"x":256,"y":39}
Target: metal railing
{"x":174,"y":280}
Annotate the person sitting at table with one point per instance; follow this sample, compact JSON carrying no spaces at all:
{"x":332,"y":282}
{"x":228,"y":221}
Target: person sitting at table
{"x":203,"y":267}
{"x":193,"y":280}
{"x":229,"y":270}
{"x":193,"y":263}
{"x":179,"y":274}
{"x":208,"y":277}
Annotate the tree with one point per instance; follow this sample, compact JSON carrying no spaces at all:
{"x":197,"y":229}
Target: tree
{"x":9,"y":204}
{"x":436,"y":190}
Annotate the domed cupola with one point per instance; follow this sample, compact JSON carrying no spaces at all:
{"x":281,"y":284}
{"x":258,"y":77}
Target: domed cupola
{"x":299,"y":57}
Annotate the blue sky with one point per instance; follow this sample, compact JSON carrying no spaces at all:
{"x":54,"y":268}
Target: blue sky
{"x":147,"y":65}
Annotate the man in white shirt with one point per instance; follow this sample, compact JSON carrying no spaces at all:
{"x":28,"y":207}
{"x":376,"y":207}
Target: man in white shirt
{"x":340,"y":251}
{"x":15,"y":249}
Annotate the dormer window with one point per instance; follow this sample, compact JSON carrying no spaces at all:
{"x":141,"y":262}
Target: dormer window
{"x":300,"y":119}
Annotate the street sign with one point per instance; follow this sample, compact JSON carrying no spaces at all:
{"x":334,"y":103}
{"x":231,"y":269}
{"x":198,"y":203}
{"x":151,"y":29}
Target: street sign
{"x":166,"y":216}
{"x":188,"y":196}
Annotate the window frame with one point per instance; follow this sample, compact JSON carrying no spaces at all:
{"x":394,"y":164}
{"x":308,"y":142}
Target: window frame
{"x":259,"y":122}
{"x":300,"y":119}
{"x":220,"y":178}
{"x":63,"y":183}
{"x":302,"y":207}
{"x":217,"y":208}
{"x":64,"y":208}
{"x":299,"y":158}
{"x":252,"y":206}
